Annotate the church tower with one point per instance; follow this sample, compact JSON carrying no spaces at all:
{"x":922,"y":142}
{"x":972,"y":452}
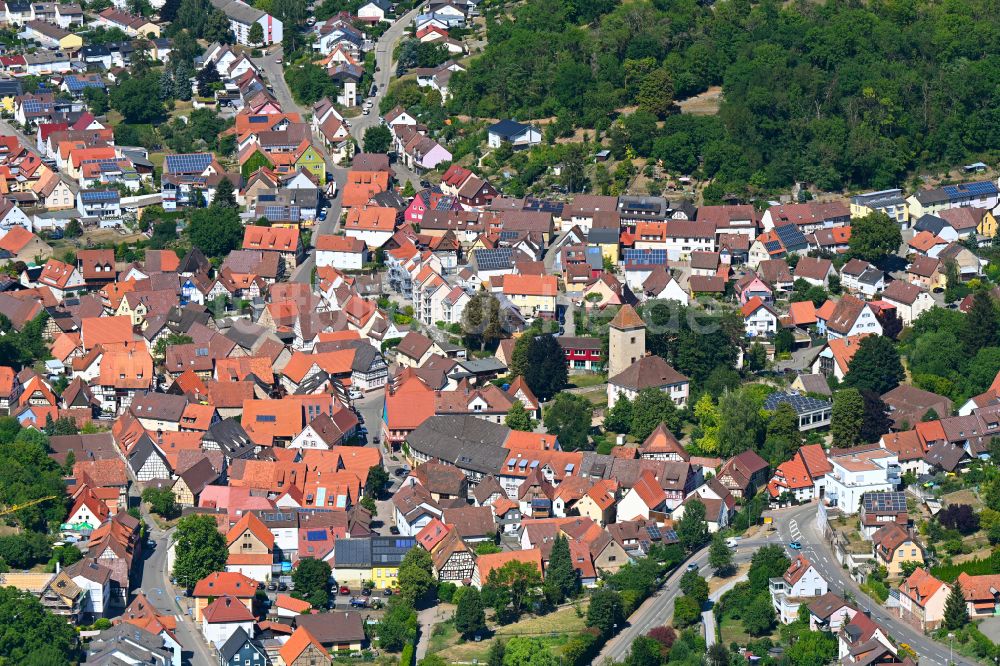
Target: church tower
{"x":626,"y":340}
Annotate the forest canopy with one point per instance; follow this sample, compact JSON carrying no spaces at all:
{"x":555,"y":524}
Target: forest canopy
{"x":836,"y":94}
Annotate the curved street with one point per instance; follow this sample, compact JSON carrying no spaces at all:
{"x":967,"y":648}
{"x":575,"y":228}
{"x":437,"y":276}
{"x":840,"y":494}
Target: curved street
{"x":658,"y":609}
{"x":799,"y":523}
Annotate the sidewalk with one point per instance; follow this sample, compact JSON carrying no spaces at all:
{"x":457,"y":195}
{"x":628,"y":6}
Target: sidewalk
{"x":708,"y":617}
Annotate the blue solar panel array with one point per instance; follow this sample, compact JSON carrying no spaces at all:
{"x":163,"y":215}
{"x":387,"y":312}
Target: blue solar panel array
{"x":493,"y":260}
{"x":657,"y":257}
{"x":800,"y":403}
{"x":791,"y":237}
{"x":34,"y":106}
{"x":983,"y":188}
{"x":191,"y":163}
{"x":316,"y":535}
{"x":292,"y":213}
{"x":98,"y":196}
{"x":76,"y":84}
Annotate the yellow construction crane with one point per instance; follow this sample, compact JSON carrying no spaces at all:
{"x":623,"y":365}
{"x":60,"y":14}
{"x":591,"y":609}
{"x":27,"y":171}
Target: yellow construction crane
{"x":24,"y":505}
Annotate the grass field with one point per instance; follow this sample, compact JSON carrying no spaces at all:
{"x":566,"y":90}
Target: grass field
{"x":586,"y":380}
{"x":553,"y":630}
{"x":732,"y":630}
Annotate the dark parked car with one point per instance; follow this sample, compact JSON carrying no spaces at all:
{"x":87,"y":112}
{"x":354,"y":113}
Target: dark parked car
{"x":272,"y":586}
{"x":282,"y":587}
{"x":394,"y":530}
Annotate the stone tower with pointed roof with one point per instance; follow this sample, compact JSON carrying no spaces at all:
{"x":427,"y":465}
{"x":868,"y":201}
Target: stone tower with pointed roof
{"x":626,"y":340}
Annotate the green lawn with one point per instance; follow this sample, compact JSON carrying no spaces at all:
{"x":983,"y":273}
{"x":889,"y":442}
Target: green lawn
{"x":587,"y":379}
{"x":732,"y":631}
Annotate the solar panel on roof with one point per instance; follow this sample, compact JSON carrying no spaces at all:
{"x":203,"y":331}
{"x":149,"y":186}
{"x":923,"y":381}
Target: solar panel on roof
{"x":654,"y":532}
{"x":967,"y":189}
{"x":497,"y":259}
{"x":191,"y":163}
{"x":316,"y":535}
{"x":885,"y":501}
{"x":98,"y":196}
{"x":772,"y":246}
{"x":652,"y":257}
{"x":790,"y":236}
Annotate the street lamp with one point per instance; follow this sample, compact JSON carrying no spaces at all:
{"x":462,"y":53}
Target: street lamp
{"x":951,"y":648}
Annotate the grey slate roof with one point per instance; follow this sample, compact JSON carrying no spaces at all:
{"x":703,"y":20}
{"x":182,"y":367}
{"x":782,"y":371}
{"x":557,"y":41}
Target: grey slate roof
{"x":468,"y":442}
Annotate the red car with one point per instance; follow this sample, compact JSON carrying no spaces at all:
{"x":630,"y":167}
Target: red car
{"x":344,"y":589}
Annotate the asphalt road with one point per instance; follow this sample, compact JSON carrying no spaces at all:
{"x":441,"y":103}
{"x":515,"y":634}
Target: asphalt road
{"x":799,"y":523}
{"x":276,"y":77}
{"x":303,"y":272}
{"x":385,"y":68}
{"x":155,"y":584}
{"x":658,"y":610}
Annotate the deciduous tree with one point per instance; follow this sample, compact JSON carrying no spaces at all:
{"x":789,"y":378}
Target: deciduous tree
{"x":651,"y":408}
{"x":875,"y":366}
{"x":874,"y":237}
{"x":470,"y":618}
{"x":720,"y":558}
{"x":518,"y":418}
{"x":605,"y":611}
{"x":200,"y":549}
{"x":692,"y":530}
{"x":569,"y":417}
{"x":417,"y":583}
{"x":378,"y":139}
{"x":312,"y":581}
{"x":847,"y":417}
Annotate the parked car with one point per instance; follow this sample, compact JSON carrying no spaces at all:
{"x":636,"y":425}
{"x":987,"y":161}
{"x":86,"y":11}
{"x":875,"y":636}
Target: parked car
{"x":322,"y":215}
{"x":387,"y":592}
{"x":344,"y":589}
{"x":355,"y":394}
{"x":272,"y":586}
{"x":282,"y":587}
{"x":692,"y":567}
{"x":358,"y":603}
{"x":394,"y":530}
{"x":365,"y":592}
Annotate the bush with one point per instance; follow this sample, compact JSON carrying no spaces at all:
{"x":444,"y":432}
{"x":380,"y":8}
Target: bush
{"x":446,"y":591}
{"x":582,"y":648}
{"x":959,"y":517}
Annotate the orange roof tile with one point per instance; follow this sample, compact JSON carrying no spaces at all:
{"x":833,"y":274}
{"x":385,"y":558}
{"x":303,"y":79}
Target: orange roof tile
{"x":297,"y":644}
{"x":251,"y":522}
{"x":226,"y":582}
{"x":531,"y":285}
{"x":487,"y":563}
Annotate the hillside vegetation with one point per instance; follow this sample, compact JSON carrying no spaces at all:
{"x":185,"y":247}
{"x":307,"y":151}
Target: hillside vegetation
{"x":841,"y":94}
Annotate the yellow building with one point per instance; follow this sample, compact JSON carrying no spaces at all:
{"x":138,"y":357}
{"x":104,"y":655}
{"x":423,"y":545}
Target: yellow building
{"x":384,"y":577}
{"x":534,"y":295}
{"x":71,"y":43}
{"x":893,"y":546}
{"x":890,"y":202}
{"x":310,"y":160}
{"x":988,"y":225}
